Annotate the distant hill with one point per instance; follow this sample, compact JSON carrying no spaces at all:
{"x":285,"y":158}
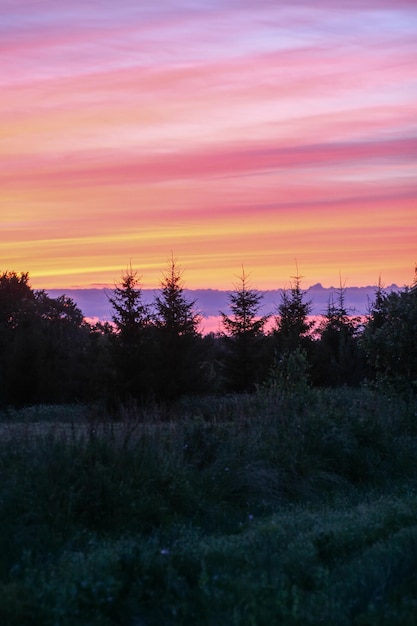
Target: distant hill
{"x":95,"y":305}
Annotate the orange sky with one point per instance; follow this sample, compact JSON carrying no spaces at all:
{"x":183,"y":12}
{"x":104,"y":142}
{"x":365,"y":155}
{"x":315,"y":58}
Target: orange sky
{"x":228,"y":133}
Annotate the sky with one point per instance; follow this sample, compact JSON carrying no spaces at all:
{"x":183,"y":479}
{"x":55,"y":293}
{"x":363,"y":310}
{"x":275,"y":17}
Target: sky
{"x":228,"y":133}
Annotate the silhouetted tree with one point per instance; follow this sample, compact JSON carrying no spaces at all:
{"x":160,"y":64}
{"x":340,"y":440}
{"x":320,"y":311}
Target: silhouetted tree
{"x":101,"y":377}
{"x":130,"y":314}
{"x":16,"y":314}
{"x":42,"y":344}
{"x":62,"y":360}
{"x":17,"y":299}
{"x":173,"y":312}
{"x":179,"y":341}
{"x":132,"y":320}
{"x":244,"y":336}
{"x":292,"y":322}
{"x":376,"y":315}
{"x":290,"y":339}
{"x":338,"y":358}
{"x":390,"y":337}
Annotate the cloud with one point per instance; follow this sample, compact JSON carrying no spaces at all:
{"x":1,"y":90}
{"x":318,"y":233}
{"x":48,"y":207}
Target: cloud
{"x":95,"y":305}
{"x":230,"y":131}
{"x":98,"y":169}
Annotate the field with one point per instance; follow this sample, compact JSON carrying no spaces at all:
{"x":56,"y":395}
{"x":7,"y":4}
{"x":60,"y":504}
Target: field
{"x":295,"y":508}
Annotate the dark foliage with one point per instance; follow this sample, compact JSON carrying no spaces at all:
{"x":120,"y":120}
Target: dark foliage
{"x":49,"y":354}
{"x":292,"y":322}
{"x":390,"y":337}
{"x":43,"y":343}
{"x":276,"y":508}
{"x":179,"y":354}
{"x":131,"y":342}
{"x":244,"y":338}
{"x":337,"y":357}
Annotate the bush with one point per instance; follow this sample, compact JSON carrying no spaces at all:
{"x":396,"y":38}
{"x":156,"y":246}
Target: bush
{"x":275,"y":510}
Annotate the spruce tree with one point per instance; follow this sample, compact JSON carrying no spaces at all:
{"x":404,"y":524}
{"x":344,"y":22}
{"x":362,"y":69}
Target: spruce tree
{"x":174,"y":313}
{"x":339,"y":359}
{"x":390,"y":337}
{"x":131,"y":318}
{"x":177,"y":337}
{"x":244,"y":336}
{"x":130,"y":314}
{"x":292,"y":322}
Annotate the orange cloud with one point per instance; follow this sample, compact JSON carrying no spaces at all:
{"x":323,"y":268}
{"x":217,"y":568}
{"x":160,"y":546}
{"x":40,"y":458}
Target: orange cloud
{"x":254,"y":136}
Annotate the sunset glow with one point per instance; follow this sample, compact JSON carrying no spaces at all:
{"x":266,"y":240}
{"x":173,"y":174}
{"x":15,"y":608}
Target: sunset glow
{"x":230,"y":133}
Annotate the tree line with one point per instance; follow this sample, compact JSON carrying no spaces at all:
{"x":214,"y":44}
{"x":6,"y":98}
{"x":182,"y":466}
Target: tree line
{"x":156,"y":353}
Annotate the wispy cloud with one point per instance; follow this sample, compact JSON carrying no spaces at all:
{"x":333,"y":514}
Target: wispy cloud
{"x":231,"y":131}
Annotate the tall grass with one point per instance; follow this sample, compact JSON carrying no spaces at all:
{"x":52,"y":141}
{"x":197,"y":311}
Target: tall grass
{"x":233,"y":510}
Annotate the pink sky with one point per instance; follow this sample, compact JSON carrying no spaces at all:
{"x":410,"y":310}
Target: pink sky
{"x":232,"y":133}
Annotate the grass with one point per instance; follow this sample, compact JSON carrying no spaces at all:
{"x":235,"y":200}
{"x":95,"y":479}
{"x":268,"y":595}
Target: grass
{"x":289,"y":508}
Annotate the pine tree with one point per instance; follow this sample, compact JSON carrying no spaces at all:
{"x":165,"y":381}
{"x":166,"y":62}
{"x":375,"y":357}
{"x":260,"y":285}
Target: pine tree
{"x":131,"y":318}
{"x":130,"y":315}
{"x":292,"y":321}
{"x":340,"y":359}
{"x":177,"y":337}
{"x":244,"y":336}
{"x":390,"y":337}
{"x":175,"y":314}
{"x":245,"y":304}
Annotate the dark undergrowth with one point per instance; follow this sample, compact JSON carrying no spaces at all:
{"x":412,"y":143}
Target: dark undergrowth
{"x":276,"y":508}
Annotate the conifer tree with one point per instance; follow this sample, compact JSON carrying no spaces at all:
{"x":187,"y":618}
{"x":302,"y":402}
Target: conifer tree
{"x":390,"y":337}
{"x":174,"y":313}
{"x":245,"y":304}
{"x":131,"y":318}
{"x":130,"y":314}
{"x":244,"y":336}
{"x":177,"y":337}
{"x":340,"y":359}
{"x":292,"y":321}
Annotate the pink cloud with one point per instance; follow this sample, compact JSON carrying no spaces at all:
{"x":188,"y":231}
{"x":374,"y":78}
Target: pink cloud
{"x":98,"y":168}
{"x":77,"y":37}
{"x":227,"y":129}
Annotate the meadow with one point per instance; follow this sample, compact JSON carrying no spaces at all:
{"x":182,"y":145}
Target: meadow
{"x":279,"y":507}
